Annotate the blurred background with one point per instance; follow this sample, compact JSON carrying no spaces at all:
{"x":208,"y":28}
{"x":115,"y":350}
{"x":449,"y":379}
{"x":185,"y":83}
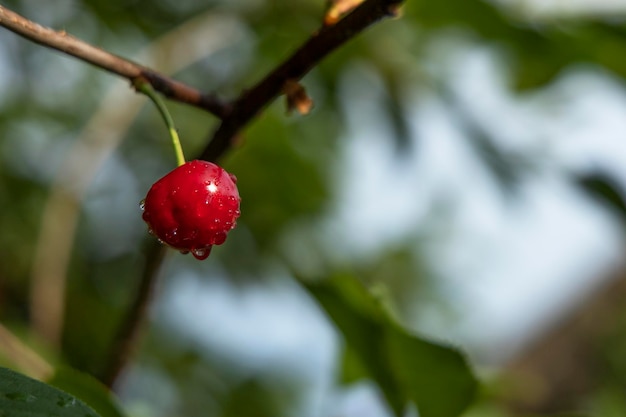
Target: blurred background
{"x":465,"y":162}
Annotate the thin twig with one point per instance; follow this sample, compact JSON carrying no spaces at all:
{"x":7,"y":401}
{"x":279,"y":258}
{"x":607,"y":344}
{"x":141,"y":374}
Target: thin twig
{"x":316,"y":48}
{"x":61,"y":41}
{"x":243,"y":110}
{"x":234,"y":118}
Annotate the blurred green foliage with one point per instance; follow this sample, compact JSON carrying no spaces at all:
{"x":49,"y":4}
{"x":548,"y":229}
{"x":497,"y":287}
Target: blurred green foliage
{"x":434,"y":377}
{"x":287,"y":171}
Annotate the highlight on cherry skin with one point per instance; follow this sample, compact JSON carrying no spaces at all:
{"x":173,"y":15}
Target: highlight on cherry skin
{"x":193,"y":207}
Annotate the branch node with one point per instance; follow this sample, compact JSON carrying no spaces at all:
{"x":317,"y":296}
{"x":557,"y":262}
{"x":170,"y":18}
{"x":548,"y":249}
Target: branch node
{"x":394,"y":10}
{"x":137,"y":82}
{"x":297,"y":98}
{"x":338,"y":9}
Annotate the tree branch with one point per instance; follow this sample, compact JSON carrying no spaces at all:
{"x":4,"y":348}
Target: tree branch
{"x":240,"y":113}
{"x":321,"y":44}
{"x":234,"y":117}
{"x":72,"y":46}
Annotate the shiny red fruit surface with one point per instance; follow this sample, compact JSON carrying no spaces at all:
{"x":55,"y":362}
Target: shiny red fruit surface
{"x":193,"y":207}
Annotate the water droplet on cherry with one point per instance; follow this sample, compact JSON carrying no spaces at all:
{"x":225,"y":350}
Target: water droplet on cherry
{"x":192,"y":207}
{"x":219,"y":238}
{"x":170,"y":235}
{"x":201,"y":253}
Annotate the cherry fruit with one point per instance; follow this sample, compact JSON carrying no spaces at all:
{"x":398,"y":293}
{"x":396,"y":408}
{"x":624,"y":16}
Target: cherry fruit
{"x":193,"y":207}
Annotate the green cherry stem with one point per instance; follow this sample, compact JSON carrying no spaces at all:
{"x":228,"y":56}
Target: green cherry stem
{"x":144,"y":87}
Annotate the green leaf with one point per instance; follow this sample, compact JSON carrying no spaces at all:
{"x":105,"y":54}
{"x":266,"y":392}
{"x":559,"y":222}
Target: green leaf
{"x":436,"y":377}
{"x":407,"y":368}
{"x":88,"y":389}
{"x":21,"y":396}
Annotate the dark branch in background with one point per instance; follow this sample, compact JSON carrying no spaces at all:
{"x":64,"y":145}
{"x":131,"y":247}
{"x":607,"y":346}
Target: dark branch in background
{"x":322,"y":43}
{"x":70,"y":45}
{"x":234,"y":117}
{"x":127,"y":336}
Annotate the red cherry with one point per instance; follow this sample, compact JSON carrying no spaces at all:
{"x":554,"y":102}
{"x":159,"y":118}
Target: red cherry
{"x":193,"y":207}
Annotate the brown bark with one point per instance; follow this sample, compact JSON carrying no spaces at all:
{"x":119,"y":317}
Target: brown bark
{"x":566,"y":364}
